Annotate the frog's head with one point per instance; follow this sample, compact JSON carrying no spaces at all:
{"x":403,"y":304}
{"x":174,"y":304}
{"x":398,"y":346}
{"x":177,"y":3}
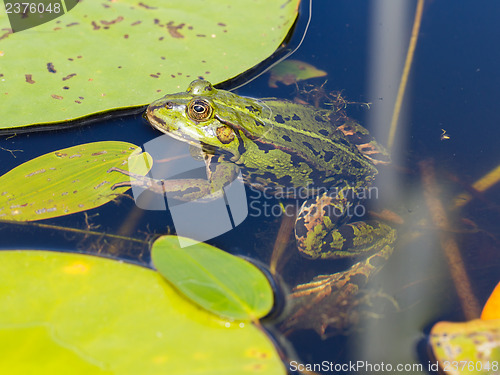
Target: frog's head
{"x":205,"y":115}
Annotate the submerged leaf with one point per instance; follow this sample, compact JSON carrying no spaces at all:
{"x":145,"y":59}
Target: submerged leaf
{"x":474,"y":344}
{"x":116,"y":54}
{"x":217,"y":281}
{"x":289,"y":72}
{"x":70,"y":180}
{"x":80,"y":314}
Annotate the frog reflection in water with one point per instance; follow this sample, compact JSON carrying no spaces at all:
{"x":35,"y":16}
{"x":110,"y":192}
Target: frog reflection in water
{"x":279,"y":146}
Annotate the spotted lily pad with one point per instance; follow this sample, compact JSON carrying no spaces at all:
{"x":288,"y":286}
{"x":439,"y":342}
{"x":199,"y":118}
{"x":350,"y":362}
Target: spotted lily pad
{"x":108,"y":54}
{"x":80,"y":314}
{"x":70,"y":180}
{"x":217,"y":281}
{"x":467,"y":348}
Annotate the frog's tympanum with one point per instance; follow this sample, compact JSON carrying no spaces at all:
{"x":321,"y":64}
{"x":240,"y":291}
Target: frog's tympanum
{"x":287,"y":149}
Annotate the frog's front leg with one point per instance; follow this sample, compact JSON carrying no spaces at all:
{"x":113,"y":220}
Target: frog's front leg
{"x":322,"y":229}
{"x":219,"y":175}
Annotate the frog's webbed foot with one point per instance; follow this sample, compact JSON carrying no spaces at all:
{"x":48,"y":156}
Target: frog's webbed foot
{"x":138,"y":180}
{"x":182,"y":189}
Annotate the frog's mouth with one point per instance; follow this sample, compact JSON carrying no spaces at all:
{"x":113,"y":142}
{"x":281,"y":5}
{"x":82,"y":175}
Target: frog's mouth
{"x":160,"y":125}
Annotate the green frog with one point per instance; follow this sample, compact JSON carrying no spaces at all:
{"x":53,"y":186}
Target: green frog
{"x":286,"y":149}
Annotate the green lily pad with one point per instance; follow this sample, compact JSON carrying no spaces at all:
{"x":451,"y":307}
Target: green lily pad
{"x":105,"y":55}
{"x":71,"y":313}
{"x":467,"y":347}
{"x":70,"y":180}
{"x":217,"y":281}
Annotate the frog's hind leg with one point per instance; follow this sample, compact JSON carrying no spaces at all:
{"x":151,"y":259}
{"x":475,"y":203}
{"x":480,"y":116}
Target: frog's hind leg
{"x":322,"y":229}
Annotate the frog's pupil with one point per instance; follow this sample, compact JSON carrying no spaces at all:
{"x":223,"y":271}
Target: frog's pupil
{"x":199,"y":108}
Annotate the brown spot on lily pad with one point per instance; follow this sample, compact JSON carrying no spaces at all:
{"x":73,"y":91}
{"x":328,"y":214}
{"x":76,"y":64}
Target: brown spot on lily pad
{"x":50,"y":68}
{"x":58,"y":97}
{"x":35,"y":172}
{"x":174,"y":30}
{"x":101,"y":184}
{"x":146,"y":6}
{"x":116,"y":20}
{"x":6,"y":34}
{"x":29,"y":78}
{"x":69,"y":76}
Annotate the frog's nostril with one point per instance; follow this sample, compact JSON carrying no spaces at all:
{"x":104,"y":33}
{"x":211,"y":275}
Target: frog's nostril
{"x":169,"y":105}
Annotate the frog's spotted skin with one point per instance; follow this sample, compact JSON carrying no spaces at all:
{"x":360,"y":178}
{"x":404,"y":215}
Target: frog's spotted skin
{"x":365,"y":143}
{"x":285,"y":148}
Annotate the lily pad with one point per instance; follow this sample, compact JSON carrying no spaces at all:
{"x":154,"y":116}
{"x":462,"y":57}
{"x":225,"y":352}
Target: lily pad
{"x":217,"y":281}
{"x":70,"y":180}
{"x":105,"y":55}
{"x":467,"y":348}
{"x":80,"y":314}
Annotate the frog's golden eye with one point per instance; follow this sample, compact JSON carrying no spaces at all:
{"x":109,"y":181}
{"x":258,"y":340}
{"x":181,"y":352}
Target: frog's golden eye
{"x":199,"y":110}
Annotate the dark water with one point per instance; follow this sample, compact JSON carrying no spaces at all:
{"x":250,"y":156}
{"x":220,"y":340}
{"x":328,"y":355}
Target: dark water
{"x":453,"y":87}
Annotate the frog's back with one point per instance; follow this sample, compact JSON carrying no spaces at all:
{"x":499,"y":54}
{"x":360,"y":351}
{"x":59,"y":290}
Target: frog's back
{"x":314,"y":135}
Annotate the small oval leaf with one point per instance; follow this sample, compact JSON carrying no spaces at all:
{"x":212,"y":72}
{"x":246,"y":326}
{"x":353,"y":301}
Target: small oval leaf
{"x":217,"y":281}
{"x":70,"y":180}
